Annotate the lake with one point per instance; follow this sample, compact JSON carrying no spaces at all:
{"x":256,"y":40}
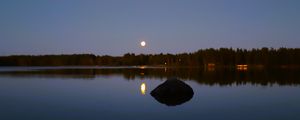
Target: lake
{"x":100,"y":93}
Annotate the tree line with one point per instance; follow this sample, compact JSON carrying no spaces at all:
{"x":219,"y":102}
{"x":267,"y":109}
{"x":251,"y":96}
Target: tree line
{"x":201,"y":58}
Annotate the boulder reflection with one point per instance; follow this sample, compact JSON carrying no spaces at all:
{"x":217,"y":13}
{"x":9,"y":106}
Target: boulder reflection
{"x":173,"y":92}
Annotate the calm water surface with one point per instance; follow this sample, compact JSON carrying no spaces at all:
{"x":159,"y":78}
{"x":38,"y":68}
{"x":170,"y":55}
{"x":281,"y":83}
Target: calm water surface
{"x":81,"y":93}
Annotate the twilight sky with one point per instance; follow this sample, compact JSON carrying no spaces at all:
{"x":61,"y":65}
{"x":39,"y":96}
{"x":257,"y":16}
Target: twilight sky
{"x":115,"y":27}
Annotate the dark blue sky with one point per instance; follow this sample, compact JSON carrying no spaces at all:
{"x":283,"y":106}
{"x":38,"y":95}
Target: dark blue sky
{"x":174,"y":26}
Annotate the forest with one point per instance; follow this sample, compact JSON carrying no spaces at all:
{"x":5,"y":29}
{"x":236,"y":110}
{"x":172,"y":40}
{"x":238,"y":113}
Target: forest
{"x":266,"y":57}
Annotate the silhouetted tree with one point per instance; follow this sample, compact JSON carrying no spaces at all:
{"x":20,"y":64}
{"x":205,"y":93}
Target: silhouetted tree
{"x":267,"y":57}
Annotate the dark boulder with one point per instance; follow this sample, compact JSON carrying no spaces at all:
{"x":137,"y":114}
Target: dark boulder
{"x":172,"y":92}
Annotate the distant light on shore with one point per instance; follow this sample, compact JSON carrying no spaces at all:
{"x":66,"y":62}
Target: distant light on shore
{"x":242,"y":67}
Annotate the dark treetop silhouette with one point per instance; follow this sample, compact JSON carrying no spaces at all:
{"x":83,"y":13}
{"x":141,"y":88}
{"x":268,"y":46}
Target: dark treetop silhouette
{"x":284,"y":57}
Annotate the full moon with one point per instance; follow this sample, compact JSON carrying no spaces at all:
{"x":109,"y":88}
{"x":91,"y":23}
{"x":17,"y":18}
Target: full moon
{"x":143,"y":43}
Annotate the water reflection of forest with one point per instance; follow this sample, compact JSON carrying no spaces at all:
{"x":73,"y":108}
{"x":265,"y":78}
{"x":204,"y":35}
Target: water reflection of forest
{"x":202,"y":76}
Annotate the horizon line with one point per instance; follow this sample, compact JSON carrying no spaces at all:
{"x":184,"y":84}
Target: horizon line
{"x":230,"y":48}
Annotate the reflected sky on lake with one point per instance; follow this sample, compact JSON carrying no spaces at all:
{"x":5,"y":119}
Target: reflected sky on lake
{"x":125,"y":94}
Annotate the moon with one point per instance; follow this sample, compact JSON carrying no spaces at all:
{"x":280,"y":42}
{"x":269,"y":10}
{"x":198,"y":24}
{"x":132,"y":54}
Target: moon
{"x":143,"y":43}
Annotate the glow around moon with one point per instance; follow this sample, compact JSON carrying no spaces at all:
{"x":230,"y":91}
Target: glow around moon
{"x":143,"y":43}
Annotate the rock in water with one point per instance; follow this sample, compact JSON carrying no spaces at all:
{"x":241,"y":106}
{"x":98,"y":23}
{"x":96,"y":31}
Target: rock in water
{"x":172,"y":92}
